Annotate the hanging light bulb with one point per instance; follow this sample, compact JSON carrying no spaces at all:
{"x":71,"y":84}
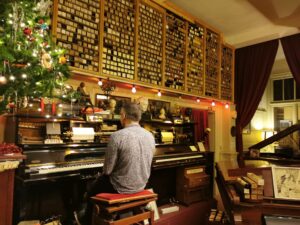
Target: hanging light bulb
{"x":213,"y":103}
{"x":159,"y":93}
{"x":226,"y":106}
{"x":133,"y":89}
{"x":198,"y":100}
{"x":100,"y":82}
{"x":24,"y":75}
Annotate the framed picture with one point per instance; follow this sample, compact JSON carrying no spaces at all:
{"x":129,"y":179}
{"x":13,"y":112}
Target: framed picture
{"x":159,"y":109}
{"x":286,"y":182}
{"x":114,"y":103}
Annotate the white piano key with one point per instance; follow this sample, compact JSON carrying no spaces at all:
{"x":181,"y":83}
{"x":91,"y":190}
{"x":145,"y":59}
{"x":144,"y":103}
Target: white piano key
{"x":55,"y":169}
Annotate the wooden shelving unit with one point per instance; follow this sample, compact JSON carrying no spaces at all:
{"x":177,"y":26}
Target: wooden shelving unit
{"x":195,"y":59}
{"x":119,"y":34}
{"x":212,"y":71}
{"x":145,"y":42}
{"x":227,"y":70}
{"x":150,"y":44}
{"x":175,"y":51}
{"x":77,"y":30}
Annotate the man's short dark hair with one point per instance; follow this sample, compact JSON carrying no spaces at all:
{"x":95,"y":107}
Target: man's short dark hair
{"x":132,"y":111}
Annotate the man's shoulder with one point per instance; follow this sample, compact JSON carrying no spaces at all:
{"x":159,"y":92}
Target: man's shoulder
{"x":131,"y":129}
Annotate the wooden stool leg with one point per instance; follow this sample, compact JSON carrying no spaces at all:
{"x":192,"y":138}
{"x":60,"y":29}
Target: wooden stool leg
{"x":151,"y":219}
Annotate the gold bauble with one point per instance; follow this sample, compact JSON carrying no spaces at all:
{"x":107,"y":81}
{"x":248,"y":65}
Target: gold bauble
{"x":62,"y":60}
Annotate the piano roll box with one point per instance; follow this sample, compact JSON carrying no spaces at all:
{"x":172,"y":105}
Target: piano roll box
{"x":192,"y":185}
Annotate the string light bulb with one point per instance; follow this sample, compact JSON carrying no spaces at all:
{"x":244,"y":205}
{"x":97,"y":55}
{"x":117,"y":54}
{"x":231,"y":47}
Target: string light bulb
{"x":198,"y":100}
{"x":159,"y":93}
{"x":100,"y":82}
{"x":226,"y":106}
{"x":133,"y":89}
{"x":12,"y":77}
{"x":24,"y":75}
{"x":213,"y":103}
{"x":3,"y":79}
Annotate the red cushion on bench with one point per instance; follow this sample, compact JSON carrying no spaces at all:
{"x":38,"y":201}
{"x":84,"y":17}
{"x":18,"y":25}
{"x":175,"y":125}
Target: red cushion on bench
{"x":116,"y":196}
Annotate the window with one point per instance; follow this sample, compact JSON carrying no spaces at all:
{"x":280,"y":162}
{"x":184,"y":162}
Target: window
{"x":284,"y":89}
{"x":277,"y":90}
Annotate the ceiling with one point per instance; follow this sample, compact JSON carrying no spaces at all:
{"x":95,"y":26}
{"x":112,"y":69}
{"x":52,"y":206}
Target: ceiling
{"x":247,"y":22}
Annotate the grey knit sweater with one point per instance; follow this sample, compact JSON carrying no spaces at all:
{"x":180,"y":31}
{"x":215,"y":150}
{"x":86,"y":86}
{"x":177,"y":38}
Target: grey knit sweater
{"x":128,"y":158}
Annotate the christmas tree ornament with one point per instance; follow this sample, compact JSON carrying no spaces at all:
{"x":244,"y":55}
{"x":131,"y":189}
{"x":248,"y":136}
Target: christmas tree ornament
{"x":3,"y":79}
{"x":46,"y":60}
{"x":19,"y":47}
{"x":27,"y":31}
{"x":31,"y":39}
{"x":44,"y":7}
{"x":17,"y":18}
{"x":41,"y":21}
{"x":44,"y":26}
{"x":62,"y":60}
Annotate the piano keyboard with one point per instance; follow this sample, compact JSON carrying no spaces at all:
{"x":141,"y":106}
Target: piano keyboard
{"x":65,"y":168}
{"x":178,"y":158}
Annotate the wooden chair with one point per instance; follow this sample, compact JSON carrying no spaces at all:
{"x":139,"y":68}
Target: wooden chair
{"x":122,"y":209}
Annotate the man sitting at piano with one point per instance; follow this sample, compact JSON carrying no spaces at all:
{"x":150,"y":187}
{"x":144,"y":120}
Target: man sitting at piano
{"x":128,"y":159}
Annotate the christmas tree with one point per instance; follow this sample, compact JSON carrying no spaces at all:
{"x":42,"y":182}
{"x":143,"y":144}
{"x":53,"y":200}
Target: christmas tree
{"x":31,"y":65}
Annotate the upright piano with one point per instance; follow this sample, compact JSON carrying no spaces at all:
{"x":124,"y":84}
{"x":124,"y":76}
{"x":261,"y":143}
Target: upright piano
{"x":53,"y":177}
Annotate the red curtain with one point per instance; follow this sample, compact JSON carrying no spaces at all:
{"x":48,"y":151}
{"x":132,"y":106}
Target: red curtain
{"x":253,"y":66}
{"x":291,"y":48}
{"x":200,"y":117}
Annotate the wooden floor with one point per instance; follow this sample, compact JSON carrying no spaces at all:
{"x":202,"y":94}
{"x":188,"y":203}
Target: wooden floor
{"x":195,"y":214}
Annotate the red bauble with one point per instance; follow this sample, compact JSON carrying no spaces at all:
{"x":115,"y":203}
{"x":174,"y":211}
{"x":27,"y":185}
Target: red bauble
{"x":27,"y":31}
{"x":41,"y":21}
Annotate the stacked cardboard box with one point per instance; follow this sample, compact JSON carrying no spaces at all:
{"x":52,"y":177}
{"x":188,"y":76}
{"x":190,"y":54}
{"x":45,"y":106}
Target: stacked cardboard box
{"x":250,"y":187}
{"x":217,"y":217}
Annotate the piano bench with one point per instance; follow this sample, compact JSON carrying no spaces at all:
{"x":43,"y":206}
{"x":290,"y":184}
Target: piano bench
{"x":122,"y":209}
